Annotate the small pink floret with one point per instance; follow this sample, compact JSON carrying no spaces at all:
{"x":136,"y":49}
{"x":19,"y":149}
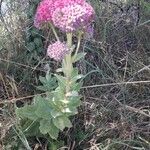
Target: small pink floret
{"x":57,"y":50}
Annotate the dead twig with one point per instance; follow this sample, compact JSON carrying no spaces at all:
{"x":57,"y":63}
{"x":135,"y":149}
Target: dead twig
{"x":136,"y":110}
{"x":118,"y":83}
{"x":19,"y":64}
{"x":21,"y":98}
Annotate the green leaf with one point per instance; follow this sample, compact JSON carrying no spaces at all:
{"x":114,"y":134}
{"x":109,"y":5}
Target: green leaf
{"x":35,"y":32}
{"x":78,"y":57}
{"x":74,"y":79}
{"x":53,"y":101}
{"x":54,"y":133}
{"x":48,"y":76}
{"x":74,"y":72}
{"x":52,"y":104}
{"x":61,"y":79}
{"x":59,"y":93}
{"x":42,"y":88}
{"x":72,"y":93}
{"x":43,"y":109}
{"x":56,"y":113}
{"x":31,"y":128}
{"x":38,"y":42}
{"x":63,"y":101}
{"x":55,"y":145}
{"x":62,"y":122}
{"x":49,"y":82}
{"x":76,"y":86}
{"x":42,"y":80}
{"x":70,"y":111}
{"x":27,"y":111}
{"x":47,"y":126}
{"x":74,"y":101}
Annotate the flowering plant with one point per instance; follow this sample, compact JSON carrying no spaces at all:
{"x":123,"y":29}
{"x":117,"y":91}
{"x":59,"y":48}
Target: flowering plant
{"x":53,"y":110}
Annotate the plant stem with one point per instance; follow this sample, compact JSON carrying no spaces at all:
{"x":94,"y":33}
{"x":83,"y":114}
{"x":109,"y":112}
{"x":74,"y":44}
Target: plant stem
{"x":78,"y":45}
{"x":54,"y":31}
{"x":68,"y":63}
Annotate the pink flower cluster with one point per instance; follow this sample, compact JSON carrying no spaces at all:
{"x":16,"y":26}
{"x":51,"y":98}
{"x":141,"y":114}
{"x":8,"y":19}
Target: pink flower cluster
{"x":68,"y":15}
{"x":44,"y":13}
{"x":72,"y":17}
{"x":47,"y":7}
{"x":57,"y":50}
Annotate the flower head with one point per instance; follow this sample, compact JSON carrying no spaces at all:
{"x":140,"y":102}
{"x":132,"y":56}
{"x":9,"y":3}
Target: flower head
{"x":73,"y":16}
{"x":46,"y":8}
{"x":57,"y":50}
{"x":62,"y":3}
{"x":43,"y":13}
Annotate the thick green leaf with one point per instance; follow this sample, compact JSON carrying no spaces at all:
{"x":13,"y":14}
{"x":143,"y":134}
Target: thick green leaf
{"x":78,"y":57}
{"x":62,"y":122}
{"x":43,"y":109}
{"x":56,"y":113}
{"x":54,"y":133}
{"x":61,"y":80}
{"x":76,"y":86}
{"x":63,"y":101}
{"x":74,"y":79}
{"x":74,"y":101}
{"x":42,"y":79}
{"x":27,"y":111}
{"x":47,"y":126}
{"x":59,"y":93}
{"x":31,"y":128}
{"x":42,"y":88}
{"x":48,"y":76}
{"x":74,"y":72}
{"x":72,"y":93}
{"x":49,"y":82}
{"x":55,"y":145}
{"x":53,"y":104}
{"x":70,"y":111}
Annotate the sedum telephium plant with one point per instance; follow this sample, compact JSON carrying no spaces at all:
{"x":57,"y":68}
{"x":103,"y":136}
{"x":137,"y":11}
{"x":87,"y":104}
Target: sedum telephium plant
{"x":52,"y":111}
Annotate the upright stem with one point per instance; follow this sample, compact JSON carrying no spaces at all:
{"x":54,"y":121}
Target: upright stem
{"x":68,"y":62}
{"x":69,"y":39}
{"x":78,"y":45}
{"x":54,"y":31}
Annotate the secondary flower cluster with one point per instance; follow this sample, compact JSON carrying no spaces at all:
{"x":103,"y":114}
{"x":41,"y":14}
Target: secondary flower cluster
{"x":44,"y":13}
{"x":57,"y":50}
{"x":68,"y":15}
